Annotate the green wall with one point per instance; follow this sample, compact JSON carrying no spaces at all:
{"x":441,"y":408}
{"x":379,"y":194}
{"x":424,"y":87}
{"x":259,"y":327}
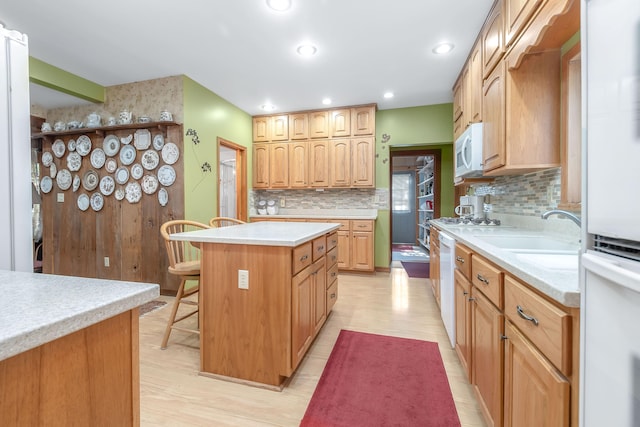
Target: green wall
{"x":211,"y":117}
{"x":427,"y":127}
{"x":63,"y":81}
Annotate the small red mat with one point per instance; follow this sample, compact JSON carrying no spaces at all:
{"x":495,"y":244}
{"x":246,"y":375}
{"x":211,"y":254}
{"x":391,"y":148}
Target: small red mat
{"x":416,"y":269}
{"x":377,"y":380}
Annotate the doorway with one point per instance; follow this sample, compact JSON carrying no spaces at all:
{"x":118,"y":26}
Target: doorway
{"x":411,"y":204}
{"x":232,"y":180}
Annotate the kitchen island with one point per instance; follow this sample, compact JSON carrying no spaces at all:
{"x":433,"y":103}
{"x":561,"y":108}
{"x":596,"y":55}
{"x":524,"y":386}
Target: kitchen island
{"x":69,"y":350}
{"x":266,"y":289}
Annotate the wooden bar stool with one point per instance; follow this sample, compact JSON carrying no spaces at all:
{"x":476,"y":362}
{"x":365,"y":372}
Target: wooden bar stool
{"x":224,"y":221}
{"x":184,"y":261}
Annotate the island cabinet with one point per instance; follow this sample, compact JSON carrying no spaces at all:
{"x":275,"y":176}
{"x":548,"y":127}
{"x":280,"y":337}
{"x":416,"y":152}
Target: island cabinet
{"x":518,"y":346}
{"x":263,"y":298}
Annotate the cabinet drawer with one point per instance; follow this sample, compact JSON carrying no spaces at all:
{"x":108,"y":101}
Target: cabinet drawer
{"x":332,"y":257}
{"x":301,"y":257}
{"x":547,"y":326}
{"x":332,"y":274}
{"x":332,"y":296}
{"x":463,"y":260}
{"x":361,"y":225}
{"x":332,"y":241}
{"x":319,"y":247}
{"x":488,"y":279}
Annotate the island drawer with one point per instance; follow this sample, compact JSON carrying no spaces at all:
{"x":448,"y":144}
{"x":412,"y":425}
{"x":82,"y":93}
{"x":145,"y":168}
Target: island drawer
{"x":548,"y":327}
{"x":319,"y":247}
{"x":332,"y":274}
{"x":302,"y":257}
{"x":488,"y":279}
{"x":463,"y":260}
{"x":332,"y":257}
{"x":332,"y":240}
{"x":332,"y":296}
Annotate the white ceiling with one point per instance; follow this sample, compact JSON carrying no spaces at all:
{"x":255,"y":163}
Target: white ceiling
{"x":245,"y":52}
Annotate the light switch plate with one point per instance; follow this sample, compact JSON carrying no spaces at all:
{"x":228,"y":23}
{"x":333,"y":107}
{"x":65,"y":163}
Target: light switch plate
{"x":60,"y":197}
{"x":243,"y":279}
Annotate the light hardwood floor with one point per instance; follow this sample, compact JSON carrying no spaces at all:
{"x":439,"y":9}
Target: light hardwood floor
{"x":173,"y":394}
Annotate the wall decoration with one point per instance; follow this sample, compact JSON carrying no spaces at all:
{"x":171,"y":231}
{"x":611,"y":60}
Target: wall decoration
{"x":206,"y":167}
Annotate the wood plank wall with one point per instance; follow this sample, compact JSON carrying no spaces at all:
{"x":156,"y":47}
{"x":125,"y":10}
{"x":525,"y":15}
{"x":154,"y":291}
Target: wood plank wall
{"x":76,"y":242}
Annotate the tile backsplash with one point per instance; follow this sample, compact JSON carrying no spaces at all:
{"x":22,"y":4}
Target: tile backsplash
{"x":369,"y":198}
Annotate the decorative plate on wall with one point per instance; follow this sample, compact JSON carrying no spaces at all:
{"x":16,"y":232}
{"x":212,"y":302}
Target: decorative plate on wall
{"x":133,"y":192}
{"x":47,"y":158}
{"x":122,"y":175}
{"x":142,"y":139}
{"x":170,"y":153}
{"x":137,"y":171}
{"x":46,"y":183}
{"x":150,"y":159}
{"x":127,"y":155}
{"x":166,"y":175}
{"x":163,"y":197}
{"x":76,"y":183}
{"x":98,"y":158}
{"x":63,"y":179}
{"x":111,"y":165}
{"x":83,"y":145}
{"x":74,"y":161}
{"x":71,"y":145}
{"x":149,"y":184}
{"x":58,"y":148}
{"x":107,"y":185}
{"x":111,"y":145}
{"x":97,"y":201}
{"x":90,"y":180}
{"x":53,"y":170}
{"x":127,"y":139}
{"x":158,"y":141}
{"x":119,"y":193}
{"x":83,"y":202}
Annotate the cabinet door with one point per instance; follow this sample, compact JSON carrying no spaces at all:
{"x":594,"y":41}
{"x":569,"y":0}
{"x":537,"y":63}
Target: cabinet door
{"x":493,"y":131}
{"x":487,"y":328}
{"x":298,"y":164}
{"x":362,"y":250}
{"x":516,"y":15}
{"x":299,"y":126}
{"x":261,"y":129}
{"x":362,"y":162}
{"x":434,"y":271}
{"x":319,"y":277}
{"x":260,"y":165}
{"x":344,"y":249}
{"x":463,"y":321}
{"x":457,"y":97}
{"x":318,"y":164}
{"x":340,"y":163}
{"x":493,"y":39}
{"x":340,"y":122}
{"x":279,"y":165}
{"x":475,"y":84}
{"x":302,"y":294}
{"x":535,"y":393}
{"x":280,"y":128}
{"x":319,"y":124}
{"x":363,"y":120}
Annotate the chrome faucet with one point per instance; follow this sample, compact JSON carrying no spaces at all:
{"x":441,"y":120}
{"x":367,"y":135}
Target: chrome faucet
{"x":569,"y":215}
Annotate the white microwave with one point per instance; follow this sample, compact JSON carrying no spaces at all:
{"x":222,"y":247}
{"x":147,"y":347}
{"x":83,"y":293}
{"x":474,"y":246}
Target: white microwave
{"x":468,"y":152}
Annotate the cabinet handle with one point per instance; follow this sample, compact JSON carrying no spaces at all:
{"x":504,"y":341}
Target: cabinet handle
{"x":320,"y":248}
{"x":465,"y":293}
{"x":333,"y":274}
{"x":304,"y":257}
{"x":471,"y":299}
{"x":504,"y":337}
{"x":525,"y":316}
{"x":482,"y":279}
{"x":332,"y":296}
{"x":460,"y":259}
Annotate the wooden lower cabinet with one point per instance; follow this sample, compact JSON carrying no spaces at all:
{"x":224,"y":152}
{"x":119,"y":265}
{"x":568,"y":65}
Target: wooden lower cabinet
{"x":434,"y":262}
{"x":308,"y":303}
{"x":536,"y":394}
{"x":487,"y":330}
{"x":356,"y":243}
{"x":462,"y":297}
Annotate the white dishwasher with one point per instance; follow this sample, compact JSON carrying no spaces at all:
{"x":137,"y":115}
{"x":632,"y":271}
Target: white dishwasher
{"x":447,"y":298}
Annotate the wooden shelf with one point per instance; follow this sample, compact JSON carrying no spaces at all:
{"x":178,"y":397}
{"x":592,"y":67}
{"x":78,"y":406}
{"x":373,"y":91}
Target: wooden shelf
{"x":103,"y":129}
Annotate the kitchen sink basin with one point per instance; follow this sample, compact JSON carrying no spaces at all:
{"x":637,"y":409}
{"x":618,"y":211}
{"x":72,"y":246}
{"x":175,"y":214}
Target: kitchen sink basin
{"x":552,"y":261}
{"x":530,"y":244}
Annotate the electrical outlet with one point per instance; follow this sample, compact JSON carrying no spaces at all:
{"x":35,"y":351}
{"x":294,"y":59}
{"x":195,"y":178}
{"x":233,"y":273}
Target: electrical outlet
{"x":60,"y":197}
{"x":243,"y":279}
{"x":106,"y":261}
{"x":376,"y":198}
{"x":282,"y":203}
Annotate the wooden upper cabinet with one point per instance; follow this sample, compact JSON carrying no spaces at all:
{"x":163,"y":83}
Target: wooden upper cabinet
{"x":261,"y":129}
{"x":298,"y":126}
{"x":279,"y":165}
{"x":319,"y":124}
{"x":458,"y":104}
{"x":298,"y":164}
{"x":363,"y":120}
{"x":474,"y":87}
{"x":280,"y":128}
{"x":493,"y":38}
{"x":340,"y":124}
{"x":516,"y":15}
{"x":318,"y":163}
{"x":362,"y":165}
{"x":260,"y":165}
{"x":493,"y":131}
{"x":340,"y":163}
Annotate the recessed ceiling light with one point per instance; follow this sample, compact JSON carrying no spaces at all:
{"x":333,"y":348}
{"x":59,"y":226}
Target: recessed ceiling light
{"x":268,"y":107}
{"x":326,"y":101}
{"x":306,"y":50}
{"x":443,"y":48}
{"x":388,"y":95}
{"x":279,"y":5}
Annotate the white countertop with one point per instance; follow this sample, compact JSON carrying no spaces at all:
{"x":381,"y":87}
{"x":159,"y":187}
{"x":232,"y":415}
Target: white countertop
{"x":323,"y":214}
{"x":39,"y":308}
{"x":260,"y":233}
{"x":562,"y":285}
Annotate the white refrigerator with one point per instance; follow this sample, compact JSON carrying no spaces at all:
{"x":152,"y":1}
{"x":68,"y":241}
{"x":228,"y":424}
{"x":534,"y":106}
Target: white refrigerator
{"x":16,"y":244}
{"x":610,"y":264}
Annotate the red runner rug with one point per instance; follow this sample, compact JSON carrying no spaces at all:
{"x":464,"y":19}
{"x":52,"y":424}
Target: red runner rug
{"x":376,"y":380}
{"x":416,"y":269}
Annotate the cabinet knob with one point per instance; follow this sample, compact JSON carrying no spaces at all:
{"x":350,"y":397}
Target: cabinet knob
{"x":304,"y":257}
